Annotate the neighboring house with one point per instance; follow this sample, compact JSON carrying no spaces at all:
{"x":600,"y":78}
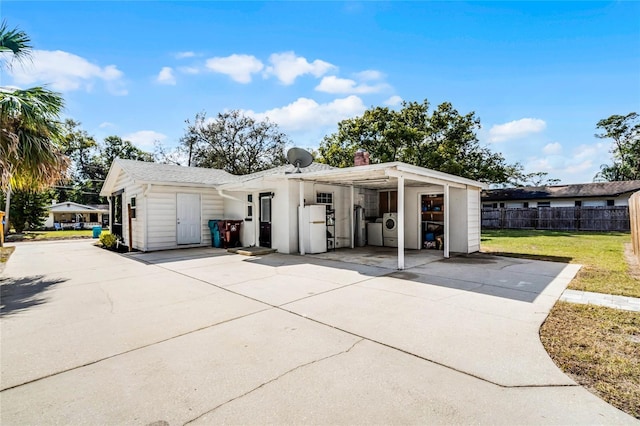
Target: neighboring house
{"x":600,"y":194}
{"x":171,"y":205}
{"x":69,"y":215}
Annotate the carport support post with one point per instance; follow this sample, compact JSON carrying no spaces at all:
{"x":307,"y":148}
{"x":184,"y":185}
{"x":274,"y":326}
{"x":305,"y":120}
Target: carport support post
{"x":400,"y":222}
{"x":446,"y":221}
{"x":300,"y":216}
{"x":352,"y":220}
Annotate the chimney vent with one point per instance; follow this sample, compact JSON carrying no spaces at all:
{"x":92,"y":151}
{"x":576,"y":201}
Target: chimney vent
{"x":361,"y":158}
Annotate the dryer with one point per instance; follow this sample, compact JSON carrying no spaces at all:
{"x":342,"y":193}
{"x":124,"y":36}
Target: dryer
{"x":390,"y":229}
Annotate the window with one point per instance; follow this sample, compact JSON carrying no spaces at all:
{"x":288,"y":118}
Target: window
{"x":324,"y":198}
{"x":249,"y":207}
{"x":544,"y":203}
{"x":578,"y":203}
{"x":611,"y":203}
{"x":501,"y":205}
{"x":133,"y":207}
{"x":265,"y":208}
{"x":525,"y":204}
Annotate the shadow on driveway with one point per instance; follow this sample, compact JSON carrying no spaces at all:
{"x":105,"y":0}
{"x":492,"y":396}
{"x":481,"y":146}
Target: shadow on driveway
{"x":19,"y":294}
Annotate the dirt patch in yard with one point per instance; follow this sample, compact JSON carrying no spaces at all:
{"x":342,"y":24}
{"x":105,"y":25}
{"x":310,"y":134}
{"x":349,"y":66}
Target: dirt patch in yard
{"x":632,"y":260}
{"x":599,"y":348}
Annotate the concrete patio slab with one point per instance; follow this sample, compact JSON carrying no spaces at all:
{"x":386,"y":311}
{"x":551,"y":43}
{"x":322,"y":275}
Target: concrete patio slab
{"x":372,"y":384}
{"x":177,"y":380}
{"x":200,"y":335}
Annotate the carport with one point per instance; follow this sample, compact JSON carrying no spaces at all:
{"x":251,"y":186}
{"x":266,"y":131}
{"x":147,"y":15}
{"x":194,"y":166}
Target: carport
{"x":461,"y":200}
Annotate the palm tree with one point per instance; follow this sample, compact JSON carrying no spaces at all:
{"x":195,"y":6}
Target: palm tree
{"x":29,"y":127}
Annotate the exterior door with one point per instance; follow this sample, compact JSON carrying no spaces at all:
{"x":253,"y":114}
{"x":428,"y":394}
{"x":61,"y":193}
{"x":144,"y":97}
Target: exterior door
{"x":188,"y":218}
{"x":265,"y":220}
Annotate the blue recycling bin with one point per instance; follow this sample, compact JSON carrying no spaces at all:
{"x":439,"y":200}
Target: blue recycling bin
{"x":97,"y":230}
{"x":216,"y":241}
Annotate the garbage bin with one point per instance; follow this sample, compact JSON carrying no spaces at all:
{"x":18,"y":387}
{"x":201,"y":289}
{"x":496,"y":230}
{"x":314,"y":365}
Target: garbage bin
{"x":232,"y":233}
{"x":216,"y":241}
{"x":97,"y":230}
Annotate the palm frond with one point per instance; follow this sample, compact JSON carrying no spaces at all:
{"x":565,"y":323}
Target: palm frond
{"x":15,"y":41}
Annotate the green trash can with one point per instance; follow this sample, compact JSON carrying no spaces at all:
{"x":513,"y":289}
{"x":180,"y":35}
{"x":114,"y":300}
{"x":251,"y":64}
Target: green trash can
{"x":97,"y":230}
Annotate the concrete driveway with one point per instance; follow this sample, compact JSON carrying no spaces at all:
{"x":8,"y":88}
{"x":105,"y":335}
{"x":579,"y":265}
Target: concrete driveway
{"x":206,"y":337}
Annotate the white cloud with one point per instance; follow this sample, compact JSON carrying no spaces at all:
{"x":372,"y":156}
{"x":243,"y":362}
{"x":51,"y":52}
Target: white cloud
{"x":336,"y":85}
{"x":189,"y":70}
{"x":144,"y":139}
{"x":516,"y":129}
{"x":166,"y":76}
{"x":238,"y":67}
{"x":552,"y":148}
{"x":580,"y":166}
{"x":306,"y":114}
{"x":393,"y":101}
{"x":369,"y":75}
{"x":65,"y":72}
{"x":106,"y":124}
{"x":183,"y":55}
{"x":286,"y":67}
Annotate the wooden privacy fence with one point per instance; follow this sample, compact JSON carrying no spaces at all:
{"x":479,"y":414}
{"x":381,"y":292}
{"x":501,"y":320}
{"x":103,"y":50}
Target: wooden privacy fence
{"x":634,"y":213}
{"x":558,"y":218}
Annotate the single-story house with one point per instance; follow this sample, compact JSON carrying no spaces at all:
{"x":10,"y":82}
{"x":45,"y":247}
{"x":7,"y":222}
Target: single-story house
{"x":70,"y":215}
{"x":598,"y":194}
{"x":169,"y":206}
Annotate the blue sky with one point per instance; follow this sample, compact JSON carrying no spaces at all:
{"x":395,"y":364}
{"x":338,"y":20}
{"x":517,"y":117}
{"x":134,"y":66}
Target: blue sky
{"x":539,"y":75}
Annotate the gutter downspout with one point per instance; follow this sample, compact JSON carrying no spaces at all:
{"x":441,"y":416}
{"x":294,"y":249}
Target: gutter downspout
{"x":145,"y":195}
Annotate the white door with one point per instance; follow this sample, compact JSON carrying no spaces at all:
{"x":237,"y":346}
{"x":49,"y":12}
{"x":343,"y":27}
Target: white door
{"x":188,"y":218}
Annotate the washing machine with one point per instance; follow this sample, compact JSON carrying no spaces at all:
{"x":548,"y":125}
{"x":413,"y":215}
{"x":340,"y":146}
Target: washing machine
{"x":390,"y":229}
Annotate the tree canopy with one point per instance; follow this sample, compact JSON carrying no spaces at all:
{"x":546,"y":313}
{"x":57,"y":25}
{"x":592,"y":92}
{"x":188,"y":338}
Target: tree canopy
{"x":90,"y":162}
{"x":443,"y":140}
{"x":625,"y":132}
{"x":233,"y":142}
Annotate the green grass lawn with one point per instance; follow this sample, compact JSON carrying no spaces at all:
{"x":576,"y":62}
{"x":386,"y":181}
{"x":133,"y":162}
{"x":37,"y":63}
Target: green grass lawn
{"x":605,"y":269}
{"x":52,"y":235}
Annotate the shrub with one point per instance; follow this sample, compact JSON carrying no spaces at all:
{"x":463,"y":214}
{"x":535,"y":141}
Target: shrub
{"x":108,"y":240}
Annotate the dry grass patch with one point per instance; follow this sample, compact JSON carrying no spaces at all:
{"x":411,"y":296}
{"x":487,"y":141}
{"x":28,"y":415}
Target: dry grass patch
{"x":599,"y":348}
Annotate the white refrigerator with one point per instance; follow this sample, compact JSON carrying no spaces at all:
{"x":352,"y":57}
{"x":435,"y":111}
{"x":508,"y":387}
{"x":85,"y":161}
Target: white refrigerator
{"x":314,"y":228}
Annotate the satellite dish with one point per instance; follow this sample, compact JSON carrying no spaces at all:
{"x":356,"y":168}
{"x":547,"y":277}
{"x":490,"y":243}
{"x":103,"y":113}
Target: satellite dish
{"x":299,"y":157}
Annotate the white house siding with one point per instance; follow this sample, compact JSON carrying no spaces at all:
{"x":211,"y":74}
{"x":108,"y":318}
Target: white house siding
{"x":161,"y":217}
{"x":473,"y":220}
{"x":458,"y":218}
{"x":412,"y":216}
{"x":571,"y":202}
{"x":131,"y":189}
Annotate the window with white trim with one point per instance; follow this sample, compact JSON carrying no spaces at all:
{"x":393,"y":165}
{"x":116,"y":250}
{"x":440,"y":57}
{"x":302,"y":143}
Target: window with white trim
{"x":133,"y":207}
{"x":324,"y":198}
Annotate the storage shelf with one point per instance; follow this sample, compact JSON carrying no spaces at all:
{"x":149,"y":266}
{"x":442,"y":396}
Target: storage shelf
{"x":331,"y":230}
{"x":432,"y":215}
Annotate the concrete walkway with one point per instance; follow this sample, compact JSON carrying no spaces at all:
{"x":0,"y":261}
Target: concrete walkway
{"x":589,"y":298}
{"x":206,"y":337}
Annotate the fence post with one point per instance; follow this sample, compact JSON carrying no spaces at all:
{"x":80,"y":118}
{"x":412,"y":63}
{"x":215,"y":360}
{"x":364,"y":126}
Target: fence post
{"x":634,"y":218}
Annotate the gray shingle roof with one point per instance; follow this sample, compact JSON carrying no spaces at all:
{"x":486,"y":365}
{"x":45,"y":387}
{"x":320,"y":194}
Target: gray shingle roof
{"x":582,"y":190}
{"x":141,"y":171}
{"x":282,"y":170}
{"x":154,"y":172}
